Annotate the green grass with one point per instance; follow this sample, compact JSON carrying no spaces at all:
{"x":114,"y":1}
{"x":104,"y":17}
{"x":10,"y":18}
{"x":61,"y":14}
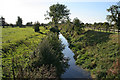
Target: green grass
{"x":19,"y":44}
{"x":100,"y":31}
{"x":94,"y":51}
{"x":98,"y":52}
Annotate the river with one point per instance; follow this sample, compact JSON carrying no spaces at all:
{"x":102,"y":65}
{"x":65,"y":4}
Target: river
{"x":73,"y":71}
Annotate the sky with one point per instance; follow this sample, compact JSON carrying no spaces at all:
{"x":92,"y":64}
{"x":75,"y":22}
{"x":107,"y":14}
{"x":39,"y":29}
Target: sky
{"x":88,"y":11}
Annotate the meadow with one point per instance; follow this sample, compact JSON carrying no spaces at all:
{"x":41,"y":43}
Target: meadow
{"x":95,"y":51}
{"x":17,"y":46}
{"x":30,"y":54}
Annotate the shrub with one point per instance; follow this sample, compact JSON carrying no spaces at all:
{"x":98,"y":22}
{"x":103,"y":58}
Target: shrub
{"x":54,"y":29}
{"x":114,"y":71}
{"x":44,"y":71}
{"x":49,"y":52}
{"x":36,"y":27}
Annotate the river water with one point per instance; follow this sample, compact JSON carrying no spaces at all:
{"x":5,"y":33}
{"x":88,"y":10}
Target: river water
{"x":73,"y":71}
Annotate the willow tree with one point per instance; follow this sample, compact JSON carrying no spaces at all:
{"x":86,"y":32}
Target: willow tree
{"x":57,"y":12}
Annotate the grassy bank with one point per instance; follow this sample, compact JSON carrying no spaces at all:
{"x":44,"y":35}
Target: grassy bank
{"x":18,"y":44}
{"x":94,"y":51}
{"x":29,"y":54}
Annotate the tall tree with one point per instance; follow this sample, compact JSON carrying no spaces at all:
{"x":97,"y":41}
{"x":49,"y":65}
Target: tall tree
{"x":95,"y":25}
{"x":77,"y":24}
{"x":36,"y":26}
{"x":2,"y":21}
{"x":57,"y":12}
{"x":106,"y":25}
{"x":113,"y":18}
{"x":19,"y":22}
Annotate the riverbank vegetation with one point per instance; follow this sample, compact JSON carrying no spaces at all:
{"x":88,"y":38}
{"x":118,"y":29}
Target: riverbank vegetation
{"x":33,"y":51}
{"x":22,"y":57}
{"x":94,"y":51}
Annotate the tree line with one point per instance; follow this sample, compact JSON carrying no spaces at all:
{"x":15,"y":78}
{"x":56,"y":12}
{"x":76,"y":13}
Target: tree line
{"x":19,"y":23}
{"x":59,"y":14}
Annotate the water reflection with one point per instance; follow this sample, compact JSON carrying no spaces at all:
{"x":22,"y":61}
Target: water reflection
{"x":73,"y":71}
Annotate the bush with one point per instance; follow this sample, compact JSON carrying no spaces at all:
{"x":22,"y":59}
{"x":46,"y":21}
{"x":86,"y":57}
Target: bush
{"x":49,"y":52}
{"x":114,"y":71}
{"x":36,"y":27}
{"x":44,"y":71}
{"x":54,"y":29}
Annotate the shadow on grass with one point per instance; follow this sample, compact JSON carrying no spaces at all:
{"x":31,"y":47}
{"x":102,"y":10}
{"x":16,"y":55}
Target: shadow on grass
{"x":93,"y":37}
{"x":40,"y":32}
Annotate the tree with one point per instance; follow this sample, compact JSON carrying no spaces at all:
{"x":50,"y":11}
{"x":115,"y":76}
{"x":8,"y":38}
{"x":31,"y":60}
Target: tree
{"x":100,"y":24}
{"x":113,"y":18}
{"x":57,"y":13}
{"x":95,"y":25}
{"x":29,"y":24}
{"x":83,"y":25}
{"x":106,"y":25}
{"x":36,"y":27}
{"x":3,"y":21}
{"x":19,"y":22}
{"x":11,"y":25}
{"x":87,"y":25}
{"x":76,"y":22}
{"x":77,"y":25}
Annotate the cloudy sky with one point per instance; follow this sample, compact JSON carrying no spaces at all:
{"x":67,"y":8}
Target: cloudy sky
{"x":88,"y":11}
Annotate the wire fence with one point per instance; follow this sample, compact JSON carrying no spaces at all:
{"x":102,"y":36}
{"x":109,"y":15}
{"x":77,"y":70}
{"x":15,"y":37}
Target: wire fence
{"x":102,"y":29}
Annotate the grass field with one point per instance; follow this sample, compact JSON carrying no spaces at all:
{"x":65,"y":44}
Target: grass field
{"x":18,"y":44}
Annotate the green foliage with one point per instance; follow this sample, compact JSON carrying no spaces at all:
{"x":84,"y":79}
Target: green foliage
{"x":29,"y":24}
{"x":17,"y":46}
{"x":78,"y":25}
{"x":22,"y":57}
{"x":57,"y":12}
{"x":106,"y":26}
{"x":2,"y":22}
{"x":54,"y":29}
{"x":44,"y":71}
{"x":49,"y":53}
{"x":19,"y":22}
{"x":94,"y":51}
{"x":114,"y":70}
{"x":36,"y":27}
{"x":114,"y":14}
{"x":76,"y":22}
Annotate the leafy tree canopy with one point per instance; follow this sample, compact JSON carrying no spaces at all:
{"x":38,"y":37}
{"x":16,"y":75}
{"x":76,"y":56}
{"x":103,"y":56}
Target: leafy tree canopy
{"x":76,"y":22}
{"x":114,"y":14}
{"x":19,"y":22}
{"x":57,"y":12}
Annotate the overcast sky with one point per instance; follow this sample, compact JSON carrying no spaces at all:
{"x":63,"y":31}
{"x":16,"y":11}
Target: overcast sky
{"x":34,"y":10}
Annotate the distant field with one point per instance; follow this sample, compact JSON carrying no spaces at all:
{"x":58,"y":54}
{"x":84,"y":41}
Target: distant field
{"x":19,"y":43}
